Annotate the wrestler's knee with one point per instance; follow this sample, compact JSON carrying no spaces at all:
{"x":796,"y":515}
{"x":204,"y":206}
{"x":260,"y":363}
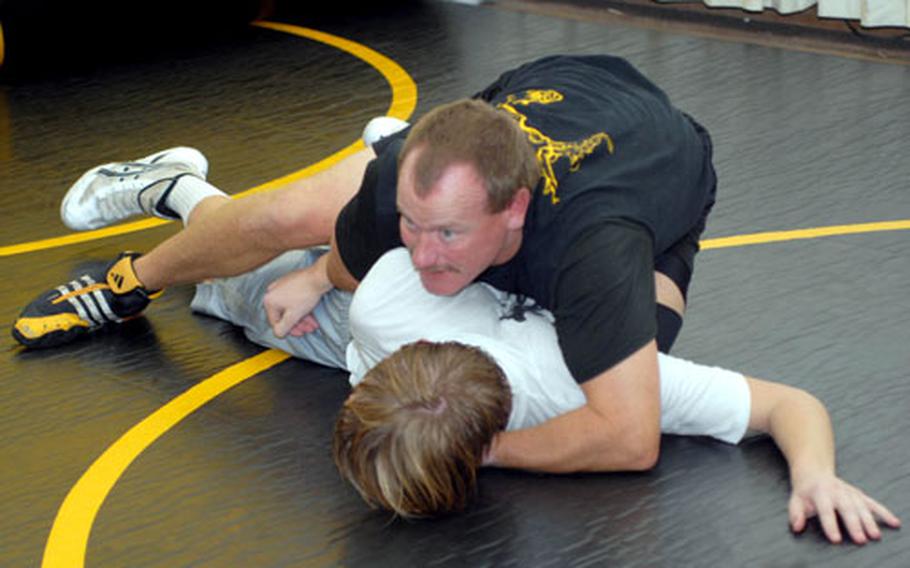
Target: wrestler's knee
{"x":671,"y":306}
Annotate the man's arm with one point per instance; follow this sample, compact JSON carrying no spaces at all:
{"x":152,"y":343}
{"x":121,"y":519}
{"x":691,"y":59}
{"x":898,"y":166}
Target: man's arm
{"x":617,"y":429}
{"x":337,"y":272}
{"x":604,"y":306}
{"x":800,"y":426}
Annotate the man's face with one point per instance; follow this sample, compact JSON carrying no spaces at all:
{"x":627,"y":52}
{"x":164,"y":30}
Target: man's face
{"x":451,"y":235}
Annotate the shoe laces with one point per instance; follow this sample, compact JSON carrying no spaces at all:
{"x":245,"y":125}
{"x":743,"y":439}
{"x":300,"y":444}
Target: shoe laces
{"x":122,"y":196}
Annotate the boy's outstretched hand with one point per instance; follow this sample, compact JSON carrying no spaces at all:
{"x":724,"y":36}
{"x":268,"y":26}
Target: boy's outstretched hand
{"x":830,"y":498}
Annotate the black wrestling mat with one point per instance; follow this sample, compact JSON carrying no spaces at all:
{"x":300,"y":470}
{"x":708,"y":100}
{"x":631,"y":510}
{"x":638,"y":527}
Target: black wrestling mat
{"x":114,"y":453}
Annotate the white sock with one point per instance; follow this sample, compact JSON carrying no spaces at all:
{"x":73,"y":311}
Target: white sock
{"x":189,"y":191}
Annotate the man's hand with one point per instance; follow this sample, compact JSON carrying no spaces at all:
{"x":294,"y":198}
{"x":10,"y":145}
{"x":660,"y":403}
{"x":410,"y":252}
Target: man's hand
{"x":291,"y":299}
{"x":830,"y":497}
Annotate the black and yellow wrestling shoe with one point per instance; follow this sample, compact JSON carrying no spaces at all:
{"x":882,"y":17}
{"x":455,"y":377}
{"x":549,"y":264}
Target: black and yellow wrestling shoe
{"x":86,"y":304}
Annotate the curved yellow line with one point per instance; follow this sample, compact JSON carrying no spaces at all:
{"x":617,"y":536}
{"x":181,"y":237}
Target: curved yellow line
{"x":404,"y":101}
{"x":2,"y":46}
{"x":68,"y":540}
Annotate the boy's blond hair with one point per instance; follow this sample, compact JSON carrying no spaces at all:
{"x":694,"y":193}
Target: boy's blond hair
{"x":411,"y":436}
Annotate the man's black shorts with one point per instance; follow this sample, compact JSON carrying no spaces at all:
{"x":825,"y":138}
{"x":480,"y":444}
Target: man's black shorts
{"x":678,"y":261}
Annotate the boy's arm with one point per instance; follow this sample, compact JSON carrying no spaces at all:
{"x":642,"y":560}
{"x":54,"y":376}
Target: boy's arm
{"x":799,"y":424}
{"x":291,"y":299}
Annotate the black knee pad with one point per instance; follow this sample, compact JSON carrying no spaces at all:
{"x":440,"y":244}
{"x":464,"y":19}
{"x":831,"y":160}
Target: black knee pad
{"x":668,"y":325}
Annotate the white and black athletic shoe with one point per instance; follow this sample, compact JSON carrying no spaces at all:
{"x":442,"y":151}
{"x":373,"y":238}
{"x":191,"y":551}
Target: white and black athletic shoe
{"x":112,"y":192}
{"x":86,"y":304}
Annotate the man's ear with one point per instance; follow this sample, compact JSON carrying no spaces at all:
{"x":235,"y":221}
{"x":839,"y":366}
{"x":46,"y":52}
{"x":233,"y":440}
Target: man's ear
{"x":517,"y":208}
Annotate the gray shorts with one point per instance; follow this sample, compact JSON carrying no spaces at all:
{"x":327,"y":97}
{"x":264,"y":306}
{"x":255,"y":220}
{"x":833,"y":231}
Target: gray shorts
{"x":239,"y":301}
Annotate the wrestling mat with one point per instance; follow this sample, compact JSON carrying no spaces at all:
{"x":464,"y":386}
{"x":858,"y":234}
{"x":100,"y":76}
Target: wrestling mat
{"x":173,"y":441}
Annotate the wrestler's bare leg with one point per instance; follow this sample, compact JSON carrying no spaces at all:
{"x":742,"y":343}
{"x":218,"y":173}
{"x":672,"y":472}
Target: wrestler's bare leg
{"x":668,"y":293}
{"x":225,"y":237}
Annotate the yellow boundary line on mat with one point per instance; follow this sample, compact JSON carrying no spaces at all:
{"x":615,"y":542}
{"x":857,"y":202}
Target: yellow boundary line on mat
{"x":68,"y":541}
{"x":2,"y":46}
{"x":800,"y":234}
{"x":67,"y":544}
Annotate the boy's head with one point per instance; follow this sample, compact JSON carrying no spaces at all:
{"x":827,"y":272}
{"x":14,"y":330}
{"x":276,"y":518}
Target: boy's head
{"x":412,"y":434}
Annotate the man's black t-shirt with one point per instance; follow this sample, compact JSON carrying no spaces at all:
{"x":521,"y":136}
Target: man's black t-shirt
{"x":624,"y":176}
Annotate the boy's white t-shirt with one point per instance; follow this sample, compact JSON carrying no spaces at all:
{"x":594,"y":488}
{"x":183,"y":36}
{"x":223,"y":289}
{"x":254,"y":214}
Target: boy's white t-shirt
{"x":391,"y":308}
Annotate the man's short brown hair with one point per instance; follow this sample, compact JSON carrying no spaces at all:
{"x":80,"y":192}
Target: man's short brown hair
{"x":412,"y":434}
{"x":473,"y":132}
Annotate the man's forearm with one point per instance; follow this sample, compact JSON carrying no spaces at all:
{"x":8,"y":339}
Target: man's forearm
{"x":618,"y":429}
{"x":580,"y":440}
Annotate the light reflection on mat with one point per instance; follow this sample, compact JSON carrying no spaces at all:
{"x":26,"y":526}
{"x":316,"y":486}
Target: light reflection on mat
{"x":404,"y":101}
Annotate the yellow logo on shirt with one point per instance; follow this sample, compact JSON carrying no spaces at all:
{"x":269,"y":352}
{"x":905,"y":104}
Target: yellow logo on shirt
{"x":549,"y":151}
